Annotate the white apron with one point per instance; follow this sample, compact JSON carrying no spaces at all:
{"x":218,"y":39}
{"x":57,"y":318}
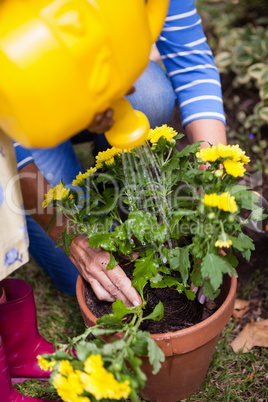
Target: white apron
{"x":13,"y":230}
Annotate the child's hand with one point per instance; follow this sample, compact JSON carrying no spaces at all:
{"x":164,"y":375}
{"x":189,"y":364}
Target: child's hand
{"x":102,"y":122}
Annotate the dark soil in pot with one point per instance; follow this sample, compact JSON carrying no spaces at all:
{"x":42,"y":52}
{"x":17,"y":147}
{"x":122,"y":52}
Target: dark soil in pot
{"x":179,"y":312}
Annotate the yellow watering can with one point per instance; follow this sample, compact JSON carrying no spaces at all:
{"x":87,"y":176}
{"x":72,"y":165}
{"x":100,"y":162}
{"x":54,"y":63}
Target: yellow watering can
{"x":64,"y":61}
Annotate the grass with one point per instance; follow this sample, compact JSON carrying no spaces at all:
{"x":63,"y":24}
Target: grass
{"x":231,"y":377}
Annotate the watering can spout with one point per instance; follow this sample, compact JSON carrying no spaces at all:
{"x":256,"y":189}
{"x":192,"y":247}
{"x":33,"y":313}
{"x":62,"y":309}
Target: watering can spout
{"x":130,"y":128}
{"x":64,"y":61}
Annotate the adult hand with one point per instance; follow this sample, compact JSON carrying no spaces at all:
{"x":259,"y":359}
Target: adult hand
{"x":107,"y":284}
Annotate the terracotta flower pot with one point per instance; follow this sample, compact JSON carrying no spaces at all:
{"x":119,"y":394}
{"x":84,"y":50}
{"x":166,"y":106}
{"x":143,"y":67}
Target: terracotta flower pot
{"x":188,"y":352}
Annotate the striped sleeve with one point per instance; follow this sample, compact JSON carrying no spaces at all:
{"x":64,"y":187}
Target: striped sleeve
{"x":190,"y":64}
{"x":23,"y":155}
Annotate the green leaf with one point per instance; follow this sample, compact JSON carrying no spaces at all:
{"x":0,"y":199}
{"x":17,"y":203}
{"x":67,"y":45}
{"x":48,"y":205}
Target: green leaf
{"x":135,"y":362}
{"x":246,"y":199}
{"x":209,"y":291}
{"x":110,"y":204}
{"x":189,"y":294}
{"x":160,"y":146}
{"x":139,"y":223}
{"x":156,"y":356}
{"x":91,"y":203}
{"x":120,"y":309}
{"x":139,"y":283}
{"x":167,"y":281}
{"x":85,"y":349}
{"x":232,"y":259}
{"x":257,"y":215}
{"x":180,"y":261}
{"x":120,"y":232}
{"x":124,"y":247}
{"x":190,"y":149}
{"x":173,"y":164}
{"x":196,"y":278}
{"x":243,"y":243}
{"x":112,"y":262}
{"x":156,"y":279}
{"x":109,"y":348}
{"x":145,"y":267}
{"x":141,"y":346}
{"x":160,"y":233}
{"x":67,"y":241}
{"x":59,"y":355}
{"x":214,"y":266}
{"x":105,"y":331}
{"x":157,"y":314}
{"x":109,"y":320}
{"x":179,"y":136}
{"x":104,"y":241}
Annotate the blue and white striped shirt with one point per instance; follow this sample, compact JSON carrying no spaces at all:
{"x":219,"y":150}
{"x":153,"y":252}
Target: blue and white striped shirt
{"x":190,"y":64}
{"x":23,"y":155}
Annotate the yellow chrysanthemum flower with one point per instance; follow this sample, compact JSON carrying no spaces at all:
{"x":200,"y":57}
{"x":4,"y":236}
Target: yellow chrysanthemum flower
{"x":81,"y":399}
{"x":48,"y":198}
{"x":110,"y":161}
{"x":70,"y":387}
{"x":223,"y":243}
{"x":224,"y":151}
{"x":75,"y":382}
{"x":208,"y":154}
{"x":233,"y":168}
{"x":81,"y":177}
{"x":164,"y":131}
{"x":44,"y":364}
{"x":63,"y":388}
{"x":233,"y":157}
{"x":224,"y":201}
{"x":211,"y":200}
{"x":105,"y":156}
{"x":227,"y":202}
{"x":65,"y":367}
{"x":245,"y":159}
{"x":238,"y":155}
{"x":100,"y":383}
{"x":58,"y":192}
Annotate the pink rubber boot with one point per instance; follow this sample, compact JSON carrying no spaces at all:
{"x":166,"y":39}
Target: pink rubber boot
{"x":19,"y":332}
{"x":8,"y":393}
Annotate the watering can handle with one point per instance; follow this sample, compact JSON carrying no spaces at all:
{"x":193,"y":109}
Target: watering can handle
{"x":156,"y":12}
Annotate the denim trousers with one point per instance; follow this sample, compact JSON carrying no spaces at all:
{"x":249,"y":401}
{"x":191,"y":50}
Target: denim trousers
{"x":155,"y":97}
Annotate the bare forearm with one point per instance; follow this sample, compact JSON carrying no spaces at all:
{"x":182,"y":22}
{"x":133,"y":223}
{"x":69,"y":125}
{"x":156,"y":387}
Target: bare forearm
{"x":33,"y":187}
{"x":208,"y":130}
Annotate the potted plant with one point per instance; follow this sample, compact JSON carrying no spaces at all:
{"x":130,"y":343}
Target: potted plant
{"x":155,"y":208}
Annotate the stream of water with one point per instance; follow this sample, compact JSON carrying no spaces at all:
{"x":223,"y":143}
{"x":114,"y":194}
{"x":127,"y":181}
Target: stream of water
{"x":144,"y":187}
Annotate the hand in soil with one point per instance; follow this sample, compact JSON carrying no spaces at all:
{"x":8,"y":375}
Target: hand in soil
{"x":108,"y":285}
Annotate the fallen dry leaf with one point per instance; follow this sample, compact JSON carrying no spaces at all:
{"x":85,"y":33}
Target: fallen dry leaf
{"x":240,"y":308}
{"x":253,"y":334}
